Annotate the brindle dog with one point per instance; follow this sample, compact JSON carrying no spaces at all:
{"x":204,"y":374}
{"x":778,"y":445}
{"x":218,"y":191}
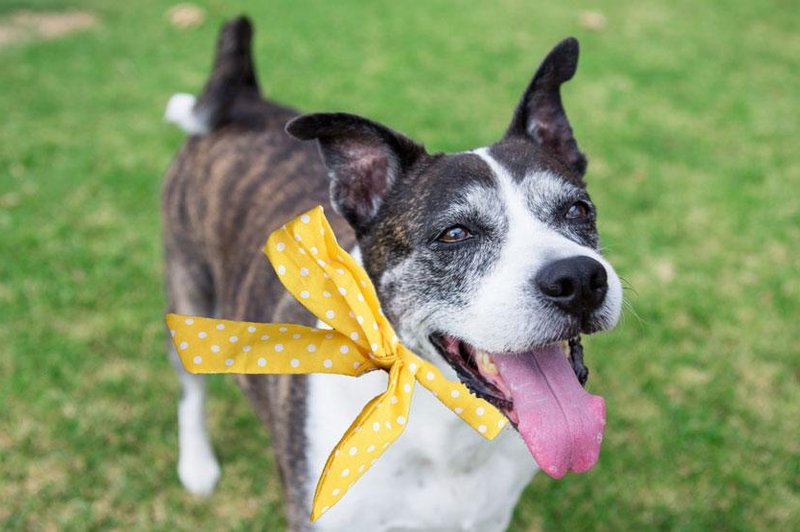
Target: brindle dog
{"x":486,"y":262}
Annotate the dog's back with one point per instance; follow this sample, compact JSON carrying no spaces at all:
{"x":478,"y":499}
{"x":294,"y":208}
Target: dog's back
{"x":237,"y":178}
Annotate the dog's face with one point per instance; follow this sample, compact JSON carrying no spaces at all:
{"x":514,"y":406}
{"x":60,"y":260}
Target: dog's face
{"x":484,"y":258}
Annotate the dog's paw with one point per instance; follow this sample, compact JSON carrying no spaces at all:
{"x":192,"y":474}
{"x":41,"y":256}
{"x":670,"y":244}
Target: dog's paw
{"x":199,"y":472}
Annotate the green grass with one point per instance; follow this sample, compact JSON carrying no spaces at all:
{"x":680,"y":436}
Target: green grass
{"x":689,"y":113}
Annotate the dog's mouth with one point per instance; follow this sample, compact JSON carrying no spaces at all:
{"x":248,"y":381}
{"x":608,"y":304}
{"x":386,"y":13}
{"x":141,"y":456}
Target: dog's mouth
{"x":540,"y":392}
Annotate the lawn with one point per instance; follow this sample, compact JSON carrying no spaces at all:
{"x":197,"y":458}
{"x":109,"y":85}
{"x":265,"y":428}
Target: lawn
{"x":690,"y":115}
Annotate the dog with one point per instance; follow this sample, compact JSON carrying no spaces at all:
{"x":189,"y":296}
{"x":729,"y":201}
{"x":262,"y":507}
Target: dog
{"x":486,"y":262}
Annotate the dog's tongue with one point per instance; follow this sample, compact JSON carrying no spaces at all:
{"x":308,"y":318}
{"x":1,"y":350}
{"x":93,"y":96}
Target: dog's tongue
{"x":561,"y":423}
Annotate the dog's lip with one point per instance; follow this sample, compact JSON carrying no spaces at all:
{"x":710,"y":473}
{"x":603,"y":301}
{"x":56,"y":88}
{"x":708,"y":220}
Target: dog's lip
{"x":466,"y":367}
{"x":474,"y":368}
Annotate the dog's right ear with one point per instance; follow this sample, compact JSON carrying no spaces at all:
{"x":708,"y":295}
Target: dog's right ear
{"x":364,"y":159}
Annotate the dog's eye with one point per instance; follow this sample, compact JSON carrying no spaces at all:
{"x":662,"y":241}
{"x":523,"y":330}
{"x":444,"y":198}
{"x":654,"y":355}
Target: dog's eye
{"x":456,"y":233}
{"x":578,"y":211}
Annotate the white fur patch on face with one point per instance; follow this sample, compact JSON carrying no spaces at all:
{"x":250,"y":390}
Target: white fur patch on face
{"x":503,"y":314}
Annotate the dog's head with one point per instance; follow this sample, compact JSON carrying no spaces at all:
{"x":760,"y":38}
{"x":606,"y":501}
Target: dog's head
{"x":486,"y":261}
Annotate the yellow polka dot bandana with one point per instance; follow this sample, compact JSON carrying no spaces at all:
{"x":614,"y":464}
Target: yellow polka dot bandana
{"x":336,"y":289}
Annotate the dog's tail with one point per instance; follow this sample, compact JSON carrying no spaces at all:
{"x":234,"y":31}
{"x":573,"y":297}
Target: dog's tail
{"x":232,"y":77}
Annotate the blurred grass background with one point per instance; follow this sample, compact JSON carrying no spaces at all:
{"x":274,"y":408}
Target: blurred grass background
{"x":689,"y":114}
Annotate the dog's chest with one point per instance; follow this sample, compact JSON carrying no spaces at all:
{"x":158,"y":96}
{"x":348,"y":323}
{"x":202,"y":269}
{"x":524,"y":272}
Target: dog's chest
{"x":439,"y":475}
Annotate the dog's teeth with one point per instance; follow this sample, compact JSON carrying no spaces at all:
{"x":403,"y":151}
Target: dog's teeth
{"x":486,"y":363}
{"x":565,"y":347}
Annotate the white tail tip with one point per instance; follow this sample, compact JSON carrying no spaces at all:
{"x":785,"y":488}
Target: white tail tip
{"x":180,"y":111}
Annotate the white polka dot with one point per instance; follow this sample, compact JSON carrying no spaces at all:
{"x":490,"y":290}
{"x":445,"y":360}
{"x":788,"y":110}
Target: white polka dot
{"x":281,"y":269}
{"x":172,"y":333}
{"x":361,"y":298}
{"x":370,"y":448}
{"x":354,"y":336}
{"x":251,"y":329}
{"x":229,"y":362}
{"x":330,"y":314}
{"x":283,"y":329}
{"x":264,"y":337}
{"x":374,"y":347}
{"x":321,"y":262}
{"x":335,"y":492}
{"x":233,"y":339}
{"x":346,"y":472}
{"x":407,"y":388}
{"x":375,"y":325}
{"x":388,"y":425}
{"x":344,"y":349}
{"x":327,"y":362}
{"x":247,"y":348}
{"x":412,"y":367}
{"x":455,"y":393}
{"x":481,"y":428}
{"x":297,"y":237}
{"x":458,"y":410}
{"x":220,"y":326}
{"x":303,"y":272}
{"x":305,"y":218}
{"x":376,"y":426}
{"x":301,"y":251}
{"x":325,"y":293}
{"x":351,"y":314}
{"x":353,"y":451}
{"x":197,"y":360}
{"x":356,"y":365}
{"x":401,"y":420}
{"x":342,"y":290}
{"x":394,"y":400}
{"x":304,"y":294}
{"x":183,"y":345}
{"x":340,"y":271}
{"x":189,"y":321}
{"x":311,"y":348}
{"x":295,"y":363}
{"x":280,"y":246}
{"x":297,"y":336}
{"x":202,"y":334}
{"x":278,"y":347}
{"x":361,"y":468}
{"x":262,"y":362}
{"x":501,"y":423}
{"x":314,"y":250}
{"x":215,"y":348}
{"x":480,"y":410}
{"x":429,"y":376}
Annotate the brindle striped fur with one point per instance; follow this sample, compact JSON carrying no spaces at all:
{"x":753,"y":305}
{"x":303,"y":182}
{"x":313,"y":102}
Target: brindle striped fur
{"x":222,"y":196}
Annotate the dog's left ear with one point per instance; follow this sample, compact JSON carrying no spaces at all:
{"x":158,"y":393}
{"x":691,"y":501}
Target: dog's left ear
{"x":540,"y":116}
{"x":364,"y":159}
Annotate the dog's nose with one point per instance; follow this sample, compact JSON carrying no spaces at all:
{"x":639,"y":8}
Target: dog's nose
{"x":577,"y":285}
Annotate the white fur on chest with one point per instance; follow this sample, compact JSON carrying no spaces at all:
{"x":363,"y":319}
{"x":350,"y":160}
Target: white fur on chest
{"x":439,"y":475}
